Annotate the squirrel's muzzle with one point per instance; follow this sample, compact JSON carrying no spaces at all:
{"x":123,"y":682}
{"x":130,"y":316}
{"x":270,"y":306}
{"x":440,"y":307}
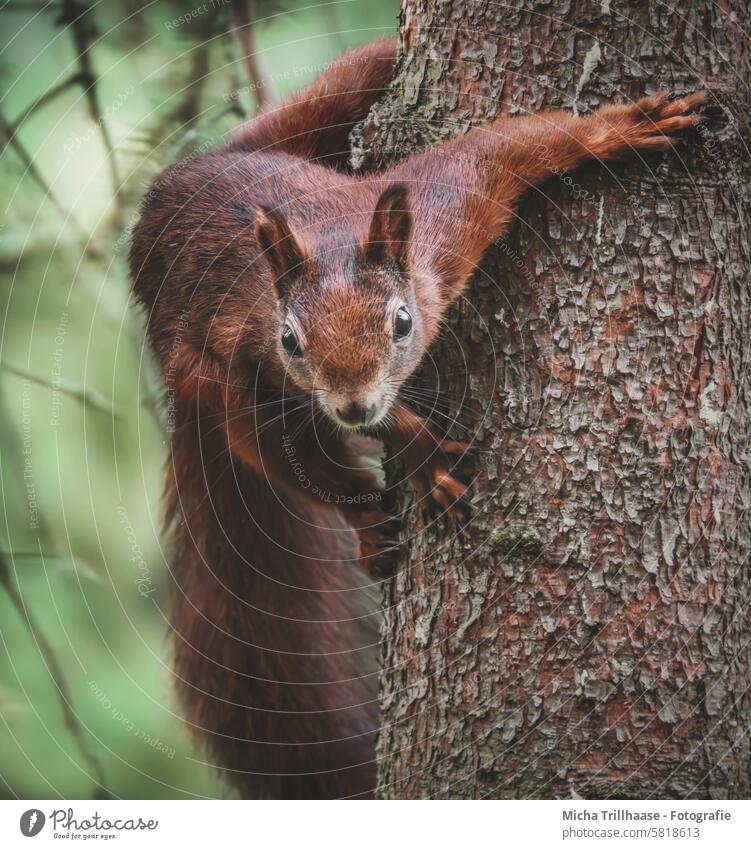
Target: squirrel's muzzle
{"x":354,"y":408}
{"x":355,"y":414}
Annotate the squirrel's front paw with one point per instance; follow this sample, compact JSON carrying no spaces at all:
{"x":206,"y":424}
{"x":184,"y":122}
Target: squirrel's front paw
{"x":437,"y":484}
{"x":657,"y":118}
{"x":651,"y":122}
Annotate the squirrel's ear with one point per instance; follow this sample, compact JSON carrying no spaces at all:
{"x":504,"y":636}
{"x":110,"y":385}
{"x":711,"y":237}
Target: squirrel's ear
{"x":390,"y":227}
{"x":280,"y":247}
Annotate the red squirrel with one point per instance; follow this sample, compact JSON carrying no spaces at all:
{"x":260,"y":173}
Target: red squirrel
{"x":288,"y":301}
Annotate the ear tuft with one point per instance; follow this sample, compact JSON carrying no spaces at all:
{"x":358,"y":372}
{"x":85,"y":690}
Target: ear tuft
{"x":390,"y":227}
{"x":280,"y":247}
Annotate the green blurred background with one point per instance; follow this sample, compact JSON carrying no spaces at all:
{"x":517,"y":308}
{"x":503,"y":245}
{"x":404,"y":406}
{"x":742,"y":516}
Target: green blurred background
{"x":96,"y":99}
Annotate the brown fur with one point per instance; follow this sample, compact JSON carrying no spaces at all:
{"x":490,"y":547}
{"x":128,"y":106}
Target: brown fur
{"x":273,"y":643}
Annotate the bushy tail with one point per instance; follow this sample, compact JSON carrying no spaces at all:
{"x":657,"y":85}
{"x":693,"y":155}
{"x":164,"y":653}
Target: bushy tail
{"x":314,"y":123}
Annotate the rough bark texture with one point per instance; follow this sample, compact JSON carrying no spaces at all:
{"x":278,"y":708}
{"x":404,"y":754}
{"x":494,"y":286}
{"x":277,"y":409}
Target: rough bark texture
{"x":589,"y":634}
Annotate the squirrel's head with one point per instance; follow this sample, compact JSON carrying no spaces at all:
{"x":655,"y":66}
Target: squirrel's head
{"x":349,"y":330}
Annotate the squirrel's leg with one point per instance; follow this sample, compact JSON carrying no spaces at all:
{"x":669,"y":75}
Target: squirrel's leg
{"x":311,"y":462}
{"x":272,"y":437}
{"x":325,"y":470}
{"x":426,"y":456}
{"x":535,"y":147}
{"x":315,"y":123}
{"x":328,"y":470}
{"x":472,"y":185}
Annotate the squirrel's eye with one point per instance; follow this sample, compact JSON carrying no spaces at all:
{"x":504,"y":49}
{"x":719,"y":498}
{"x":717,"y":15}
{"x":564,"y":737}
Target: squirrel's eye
{"x":402,"y":324}
{"x":289,"y":342}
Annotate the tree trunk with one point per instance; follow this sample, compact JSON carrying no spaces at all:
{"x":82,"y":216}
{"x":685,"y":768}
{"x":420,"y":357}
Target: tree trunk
{"x":589,"y":632}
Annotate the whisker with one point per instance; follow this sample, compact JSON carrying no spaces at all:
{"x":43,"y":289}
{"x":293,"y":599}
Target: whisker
{"x":240,"y":411}
{"x":299,"y":429}
{"x":441,"y":394}
{"x":228,"y":419}
{"x":427,"y":408}
{"x":267,"y":425}
{"x":254,"y":389}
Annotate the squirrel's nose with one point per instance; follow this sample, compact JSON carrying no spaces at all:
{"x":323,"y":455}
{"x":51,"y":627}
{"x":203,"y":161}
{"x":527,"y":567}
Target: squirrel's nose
{"x":355,"y":414}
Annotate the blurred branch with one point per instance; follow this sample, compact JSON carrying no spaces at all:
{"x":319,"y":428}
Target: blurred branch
{"x":244,"y":33}
{"x":55,"y":671}
{"x":62,"y":563}
{"x":235,"y":104}
{"x":12,"y":140}
{"x":187,"y":111}
{"x":76,"y":16}
{"x":89,"y":397}
{"x":41,"y":101}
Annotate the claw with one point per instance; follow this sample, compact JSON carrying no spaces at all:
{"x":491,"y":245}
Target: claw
{"x":439,"y":486}
{"x":449,"y":446}
{"x":651,"y":123}
{"x":443,"y":493}
{"x":656,"y":119}
{"x":683,"y":104}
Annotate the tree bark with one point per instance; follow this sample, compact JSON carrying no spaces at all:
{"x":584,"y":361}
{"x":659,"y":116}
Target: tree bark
{"x":588,"y":634}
